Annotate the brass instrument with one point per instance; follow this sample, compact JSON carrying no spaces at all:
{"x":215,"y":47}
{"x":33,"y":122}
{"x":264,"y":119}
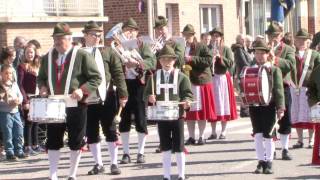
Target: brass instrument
{"x":125,"y":54}
{"x":158,"y":44}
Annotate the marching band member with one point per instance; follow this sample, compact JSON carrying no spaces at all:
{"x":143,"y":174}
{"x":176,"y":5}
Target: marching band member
{"x":85,"y":80}
{"x":171,"y":132}
{"x":306,"y":61}
{"x":225,"y":102}
{"x":199,"y":57}
{"x":135,"y":104}
{"x":263,"y":118}
{"x":164,"y":38}
{"x":102,"y":104}
{"x":283,"y":57}
{"x":163,"y":35}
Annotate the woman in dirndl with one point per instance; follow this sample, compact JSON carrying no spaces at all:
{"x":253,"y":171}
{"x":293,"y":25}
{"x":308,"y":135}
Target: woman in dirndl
{"x":306,"y":61}
{"x":198,"y":59}
{"x":225,"y":102}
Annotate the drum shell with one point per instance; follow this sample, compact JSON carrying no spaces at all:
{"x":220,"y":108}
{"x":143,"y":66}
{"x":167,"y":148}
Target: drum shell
{"x":251,"y":86}
{"x":162,"y":113}
{"x":45,"y":110}
{"x":315,"y":113}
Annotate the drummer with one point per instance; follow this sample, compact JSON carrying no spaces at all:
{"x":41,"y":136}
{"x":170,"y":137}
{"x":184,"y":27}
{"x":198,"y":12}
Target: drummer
{"x":263,"y":118}
{"x":85,"y":80}
{"x":171,"y":132}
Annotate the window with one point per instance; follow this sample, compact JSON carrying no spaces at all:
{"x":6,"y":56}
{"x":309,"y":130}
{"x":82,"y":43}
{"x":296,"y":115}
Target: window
{"x":209,"y":17}
{"x":169,"y":17}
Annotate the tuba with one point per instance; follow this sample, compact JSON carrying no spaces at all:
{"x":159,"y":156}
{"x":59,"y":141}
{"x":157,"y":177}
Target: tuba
{"x":125,"y":53}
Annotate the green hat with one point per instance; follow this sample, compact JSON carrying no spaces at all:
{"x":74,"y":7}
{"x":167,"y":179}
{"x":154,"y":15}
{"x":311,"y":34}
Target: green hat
{"x":216,"y":30}
{"x":61,"y":29}
{"x":131,"y":23}
{"x":160,"y":21}
{"x":260,"y":45}
{"x":188,"y":29}
{"x":303,"y":34}
{"x":167,"y":52}
{"x":273,"y":29}
{"x":92,"y":26}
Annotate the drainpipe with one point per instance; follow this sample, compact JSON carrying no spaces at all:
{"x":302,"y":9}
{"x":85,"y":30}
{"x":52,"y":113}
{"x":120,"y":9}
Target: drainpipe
{"x":150,"y":18}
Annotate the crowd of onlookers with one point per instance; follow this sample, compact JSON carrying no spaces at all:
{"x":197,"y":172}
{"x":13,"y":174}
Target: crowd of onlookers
{"x":19,"y":65}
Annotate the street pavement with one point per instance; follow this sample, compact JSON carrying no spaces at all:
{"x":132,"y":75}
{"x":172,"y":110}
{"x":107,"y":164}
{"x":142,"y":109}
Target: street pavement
{"x":232,"y":158}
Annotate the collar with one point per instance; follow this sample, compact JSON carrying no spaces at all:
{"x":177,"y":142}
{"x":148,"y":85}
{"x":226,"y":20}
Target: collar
{"x":65,"y":53}
{"x":164,"y":71}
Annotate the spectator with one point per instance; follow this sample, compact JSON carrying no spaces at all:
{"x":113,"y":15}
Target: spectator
{"x":206,"y":38}
{"x":7,"y":57}
{"x":37,"y":45}
{"x":10,"y":121}
{"x":18,"y":43}
{"x":27,"y":75}
{"x":248,"y":44}
{"x":242,"y":58}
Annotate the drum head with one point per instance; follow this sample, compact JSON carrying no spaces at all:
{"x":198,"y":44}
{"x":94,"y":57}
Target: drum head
{"x":265,"y":86}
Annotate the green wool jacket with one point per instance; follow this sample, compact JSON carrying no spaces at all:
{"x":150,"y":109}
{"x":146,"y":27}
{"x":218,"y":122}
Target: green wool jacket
{"x":149,"y":59}
{"x":313,"y":86}
{"x":201,"y":63}
{"x":285,"y":60}
{"x":221,"y":66}
{"x":314,"y":62}
{"x":277,"y":88}
{"x":184,"y":88}
{"x":85,"y":74}
{"x":114,"y":71}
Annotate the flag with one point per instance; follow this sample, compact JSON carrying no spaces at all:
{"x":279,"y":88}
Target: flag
{"x":280,"y":9}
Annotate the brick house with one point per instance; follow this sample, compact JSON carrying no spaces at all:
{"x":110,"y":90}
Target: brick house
{"x":34,"y":19}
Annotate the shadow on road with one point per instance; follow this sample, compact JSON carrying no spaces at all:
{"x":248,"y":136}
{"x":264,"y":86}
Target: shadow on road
{"x":302,"y":177}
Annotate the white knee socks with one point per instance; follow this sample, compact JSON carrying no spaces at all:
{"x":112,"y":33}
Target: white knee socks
{"x":181,"y":163}
{"x":74,"y":162}
{"x":53,"y":156}
{"x":258,"y":142}
{"x":191,"y":128}
{"x":125,"y":142}
{"x":113,"y":151}
{"x":213,"y":128}
{"x":269,"y":148}
{"x":202,"y":126}
{"x":96,"y":153}
{"x":141,"y":142}
{"x":224,"y":127}
{"x":284,"y":138}
{"x":166,"y":163}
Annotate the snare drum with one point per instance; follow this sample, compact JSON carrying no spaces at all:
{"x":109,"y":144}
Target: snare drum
{"x":255,"y":85}
{"x":46,"y":110}
{"x":163,"y":112}
{"x":315,"y":113}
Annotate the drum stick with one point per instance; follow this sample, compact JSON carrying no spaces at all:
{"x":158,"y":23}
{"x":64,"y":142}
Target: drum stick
{"x":117,"y":118}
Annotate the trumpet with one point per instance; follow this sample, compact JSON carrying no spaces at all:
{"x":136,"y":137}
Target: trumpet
{"x":158,"y":44}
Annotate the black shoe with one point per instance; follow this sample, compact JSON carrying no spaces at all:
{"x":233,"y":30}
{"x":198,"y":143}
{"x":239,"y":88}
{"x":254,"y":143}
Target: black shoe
{"x":260,"y":167}
{"x":140,"y":159}
{"x":97,"y":169}
{"x":158,"y":150}
{"x":125,"y":159}
{"x":298,"y":145}
{"x":244,"y":112}
{"x":286,"y":155}
{"x":274,"y":155}
{"x":22,"y":156}
{"x":71,"y":178}
{"x":222,"y":136}
{"x":165,"y":179}
{"x":212,"y":136}
{"x":11,"y":158}
{"x":201,"y":141}
{"x":268,"y":168}
{"x":114,"y":169}
{"x":190,"y":141}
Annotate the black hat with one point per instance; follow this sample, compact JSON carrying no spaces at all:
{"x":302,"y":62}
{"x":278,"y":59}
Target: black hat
{"x":167,"y":52}
{"x":260,"y":45}
{"x":303,"y":34}
{"x":273,"y":29}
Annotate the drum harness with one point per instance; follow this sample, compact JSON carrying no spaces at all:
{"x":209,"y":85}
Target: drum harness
{"x":167,"y":86}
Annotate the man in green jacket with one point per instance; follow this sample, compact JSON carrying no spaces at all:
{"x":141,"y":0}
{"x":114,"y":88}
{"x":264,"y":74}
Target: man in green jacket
{"x":283,"y":57}
{"x":102,"y":106}
{"x":84,"y":80}
{"x":134,"y":70}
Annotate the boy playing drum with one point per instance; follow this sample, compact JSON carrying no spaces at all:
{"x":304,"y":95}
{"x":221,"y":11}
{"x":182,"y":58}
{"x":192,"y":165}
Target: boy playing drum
{"x":171,"y":86}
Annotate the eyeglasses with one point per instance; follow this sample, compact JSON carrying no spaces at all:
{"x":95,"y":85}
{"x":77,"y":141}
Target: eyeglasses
{"x":95,"y":35}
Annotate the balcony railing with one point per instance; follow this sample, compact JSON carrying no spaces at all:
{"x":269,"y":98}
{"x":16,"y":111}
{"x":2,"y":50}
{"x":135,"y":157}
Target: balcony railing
{"x":55,"y":8}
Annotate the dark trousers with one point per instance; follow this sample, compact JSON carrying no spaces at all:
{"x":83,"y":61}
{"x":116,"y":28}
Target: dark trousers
{"x":285,"y":122}
{"x":76,"y":125}
{"x":136,"y":106}
{"x":263,"y":119}
{"x":104,"y":114}
{"x":30,"y":131}
{"x":171,"y":135}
